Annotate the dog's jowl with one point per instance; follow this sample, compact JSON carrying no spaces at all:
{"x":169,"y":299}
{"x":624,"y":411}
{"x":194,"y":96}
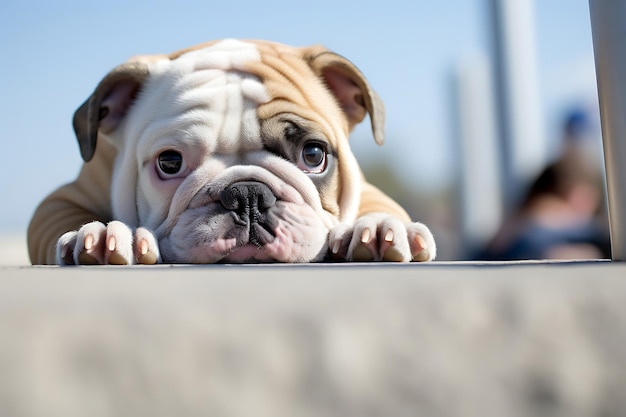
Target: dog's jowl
{"x":230,"y":151}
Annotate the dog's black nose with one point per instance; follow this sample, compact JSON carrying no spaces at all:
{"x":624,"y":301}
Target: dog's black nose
{"x":247,"y":198}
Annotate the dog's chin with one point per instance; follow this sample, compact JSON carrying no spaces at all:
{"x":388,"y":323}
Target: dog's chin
{"x":227,"y":251}
{"x":249,"y":253}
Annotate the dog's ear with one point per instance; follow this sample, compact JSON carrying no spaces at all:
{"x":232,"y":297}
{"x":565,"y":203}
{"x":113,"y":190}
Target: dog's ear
{"x":351,"y":89}
{"x":108,"y":104}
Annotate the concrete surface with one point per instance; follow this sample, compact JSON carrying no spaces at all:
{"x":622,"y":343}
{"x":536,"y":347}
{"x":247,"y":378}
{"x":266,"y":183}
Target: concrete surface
{"x":460,"y":339}
{"x":13,"y":250}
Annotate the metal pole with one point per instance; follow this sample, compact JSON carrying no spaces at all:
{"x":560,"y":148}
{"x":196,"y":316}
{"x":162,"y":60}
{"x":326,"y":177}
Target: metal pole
{"x":608,"y":26}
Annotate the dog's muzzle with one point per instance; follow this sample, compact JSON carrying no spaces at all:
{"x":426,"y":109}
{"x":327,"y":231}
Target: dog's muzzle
{"x":249,"y":202}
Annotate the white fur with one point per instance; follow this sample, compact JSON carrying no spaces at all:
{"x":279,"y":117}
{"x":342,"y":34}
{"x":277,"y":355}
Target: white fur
{"x":203,"y":105}
{"x":194,"y":100}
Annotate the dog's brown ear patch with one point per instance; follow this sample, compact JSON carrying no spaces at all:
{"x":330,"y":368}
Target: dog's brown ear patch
{"x":108,"y":105}
{"x":352,"y":91}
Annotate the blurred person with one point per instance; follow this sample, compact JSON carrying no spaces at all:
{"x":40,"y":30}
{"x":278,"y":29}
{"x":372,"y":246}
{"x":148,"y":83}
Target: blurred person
{"x":562,"y":215}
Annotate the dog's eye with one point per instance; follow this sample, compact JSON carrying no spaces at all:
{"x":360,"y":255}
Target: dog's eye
{"x":313,"y":158}
{"x":170,"y":163}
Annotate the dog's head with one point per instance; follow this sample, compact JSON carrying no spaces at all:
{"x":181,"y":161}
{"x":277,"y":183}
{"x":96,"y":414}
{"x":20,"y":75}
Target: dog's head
{"x":235,"y":151}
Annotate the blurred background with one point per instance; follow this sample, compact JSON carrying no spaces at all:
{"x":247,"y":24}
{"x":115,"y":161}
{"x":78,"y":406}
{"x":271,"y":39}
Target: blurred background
{"x":493,"y":136}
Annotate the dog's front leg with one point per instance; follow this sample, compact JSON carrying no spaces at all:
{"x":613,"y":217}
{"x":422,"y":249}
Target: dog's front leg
{"x":381,"y":237}
{"x":113,"y":244}
{"x":383,"y":231}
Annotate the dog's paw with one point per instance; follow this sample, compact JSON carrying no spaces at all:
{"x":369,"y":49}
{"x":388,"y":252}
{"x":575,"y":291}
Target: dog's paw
{"x":111,"y":244}
{"x":380,"y":237}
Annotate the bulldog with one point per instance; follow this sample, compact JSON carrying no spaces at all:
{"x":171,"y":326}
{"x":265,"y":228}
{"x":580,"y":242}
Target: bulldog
{"x":231,"y":151}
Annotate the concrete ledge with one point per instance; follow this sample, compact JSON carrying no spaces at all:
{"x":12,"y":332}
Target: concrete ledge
{"x":462,"y":339}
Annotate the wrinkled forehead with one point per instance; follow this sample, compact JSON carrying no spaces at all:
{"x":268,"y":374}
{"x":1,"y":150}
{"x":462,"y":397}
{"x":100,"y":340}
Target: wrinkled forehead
{"x":219,"y":94}
{"x":264,"y":71}
{"x":283,"y":70}
{"x":204,"y":96}
{"x":290,"y":84}
{"x":216,"y":65}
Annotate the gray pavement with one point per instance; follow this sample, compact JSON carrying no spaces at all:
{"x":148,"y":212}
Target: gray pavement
{"x":440,"y":339}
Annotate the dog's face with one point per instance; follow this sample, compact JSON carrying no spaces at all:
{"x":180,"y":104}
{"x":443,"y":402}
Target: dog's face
{"x":233,"y":151}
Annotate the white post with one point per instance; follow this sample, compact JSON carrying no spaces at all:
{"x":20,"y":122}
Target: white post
{"x":481,"y":194}
{"x":517,"y":106}
{"x":608,"y":26}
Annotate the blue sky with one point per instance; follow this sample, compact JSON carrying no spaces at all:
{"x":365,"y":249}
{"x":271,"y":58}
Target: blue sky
{"x":54,"y":53}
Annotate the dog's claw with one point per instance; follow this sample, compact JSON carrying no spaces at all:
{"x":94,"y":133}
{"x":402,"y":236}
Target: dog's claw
{"x":111,"y":243}
{"x":419,"y":249}
{"x":115,"y":257}
{"x":88,"y":242}
{"x":146,"y":247}
{"x":419,"y":242}
{"x":144,"y":256}
{"x":366,"y":235}
{"x":143,"y":247}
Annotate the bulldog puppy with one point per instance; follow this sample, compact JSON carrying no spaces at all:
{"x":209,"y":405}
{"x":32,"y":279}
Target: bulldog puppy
{"x":231,"y":151}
